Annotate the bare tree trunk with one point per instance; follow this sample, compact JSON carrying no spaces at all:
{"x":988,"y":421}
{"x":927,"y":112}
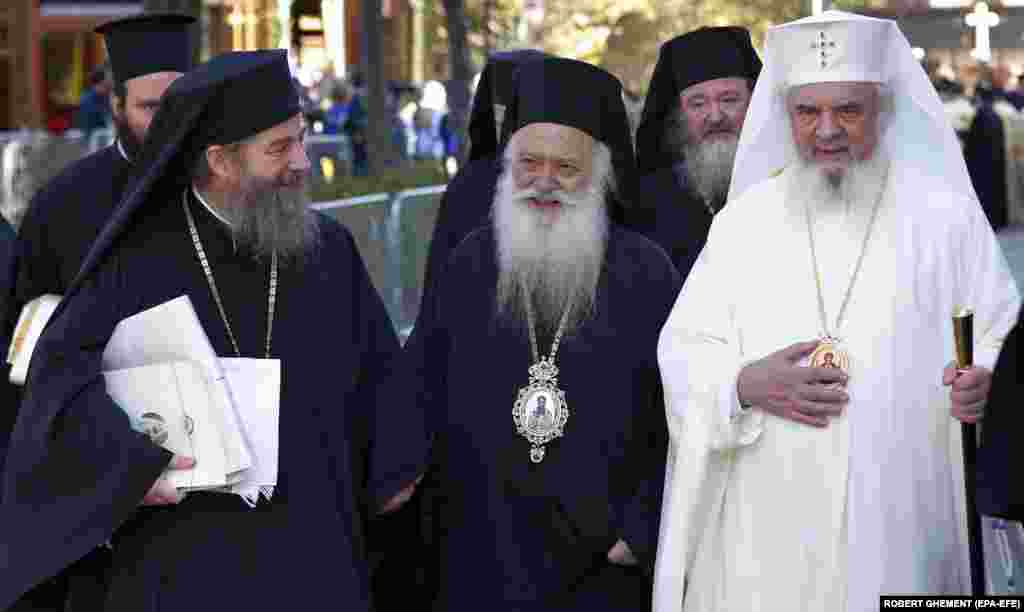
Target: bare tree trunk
{"x":461,"y":70}
{"x":378,"y":132}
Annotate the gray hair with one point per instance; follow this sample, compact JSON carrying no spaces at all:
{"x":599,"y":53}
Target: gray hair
{"x":28,"y":163}
{"x":202,"y":173}
{"x":601,"y":163}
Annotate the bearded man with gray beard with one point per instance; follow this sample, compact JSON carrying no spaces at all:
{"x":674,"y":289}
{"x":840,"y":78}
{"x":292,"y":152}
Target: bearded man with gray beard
{"x":851,"y":237}
{"x":687,"y":138}
{"x":537,"y":372}
{"x":220,"y":215}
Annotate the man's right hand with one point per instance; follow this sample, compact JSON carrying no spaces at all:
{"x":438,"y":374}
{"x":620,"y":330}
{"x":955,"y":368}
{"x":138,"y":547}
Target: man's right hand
{"x":777,"y":385}
{"x":163,"y":493}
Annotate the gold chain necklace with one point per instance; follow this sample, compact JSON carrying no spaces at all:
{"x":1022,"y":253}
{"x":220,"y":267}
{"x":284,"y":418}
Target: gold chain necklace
{"x":830,"y":352}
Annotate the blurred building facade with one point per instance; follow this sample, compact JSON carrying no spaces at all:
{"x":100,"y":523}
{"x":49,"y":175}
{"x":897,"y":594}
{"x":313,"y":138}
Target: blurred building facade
{"x":940,"y":29}
{"x":48,"y":48}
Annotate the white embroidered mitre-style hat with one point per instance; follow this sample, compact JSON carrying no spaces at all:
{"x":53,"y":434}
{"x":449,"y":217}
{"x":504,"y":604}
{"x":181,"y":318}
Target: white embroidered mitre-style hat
{"x":830,"y":47}
{"x":844,"y":47}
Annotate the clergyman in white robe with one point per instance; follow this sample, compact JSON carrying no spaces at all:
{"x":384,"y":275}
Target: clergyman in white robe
{"x":766,"y":514}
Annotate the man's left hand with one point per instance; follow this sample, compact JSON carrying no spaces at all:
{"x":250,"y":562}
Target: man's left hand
{"x":969,"y":392}
{"x":621,"y":555}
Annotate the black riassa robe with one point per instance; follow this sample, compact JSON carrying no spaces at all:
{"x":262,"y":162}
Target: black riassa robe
{"x":465,"y":206}
{"x":1000,"y":489}
{"x":680,"y":221}
{"x":301,"y":550}
{"x":985,"y":154}
{"x":513,"y":535}
{"x":61,"y":223}
{"x":400,"y":538}
{"x":59,"y":226}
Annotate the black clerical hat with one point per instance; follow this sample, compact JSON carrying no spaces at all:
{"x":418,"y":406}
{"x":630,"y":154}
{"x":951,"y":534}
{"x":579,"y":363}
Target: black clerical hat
{"x":226,"y":100}
{"x":138,"y":46}
{"x":583,"y":96}
{"x":494,"y":87}
{"x":702,"y":55}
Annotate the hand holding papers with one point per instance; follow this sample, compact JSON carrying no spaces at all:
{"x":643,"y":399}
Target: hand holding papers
{"x":162,"y":492}
{"x":160,"y":367}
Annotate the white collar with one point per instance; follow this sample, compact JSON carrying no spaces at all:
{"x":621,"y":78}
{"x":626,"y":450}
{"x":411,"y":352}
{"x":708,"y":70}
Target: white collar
{"x":213,"y":212}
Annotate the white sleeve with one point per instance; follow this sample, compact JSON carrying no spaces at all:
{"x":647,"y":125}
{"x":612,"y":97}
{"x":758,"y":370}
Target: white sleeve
{"x":988,"y":287}
{"x":700,"y":357}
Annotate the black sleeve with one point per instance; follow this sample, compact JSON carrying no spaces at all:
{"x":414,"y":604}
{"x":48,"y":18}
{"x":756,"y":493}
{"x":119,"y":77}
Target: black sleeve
{"x":76,"y":469}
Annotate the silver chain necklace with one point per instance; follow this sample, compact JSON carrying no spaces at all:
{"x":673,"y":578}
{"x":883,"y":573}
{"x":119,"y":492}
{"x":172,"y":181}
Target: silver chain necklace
{"x":541,"y":412}
{"x":271,"y":293}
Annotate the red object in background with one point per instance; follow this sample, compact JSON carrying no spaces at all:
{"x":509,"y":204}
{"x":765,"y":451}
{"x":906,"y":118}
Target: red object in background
{"x":59,"y":122}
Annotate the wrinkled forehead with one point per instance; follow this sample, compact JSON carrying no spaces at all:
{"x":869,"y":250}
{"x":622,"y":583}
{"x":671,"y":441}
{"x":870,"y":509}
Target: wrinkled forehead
{"x":833,"y":93}
{"x":553,"y":140}
{"x":716,"y":87}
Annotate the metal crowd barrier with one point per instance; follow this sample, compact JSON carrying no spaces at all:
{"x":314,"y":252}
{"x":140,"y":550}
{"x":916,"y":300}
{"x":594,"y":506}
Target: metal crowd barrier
{"x":392,"y":232}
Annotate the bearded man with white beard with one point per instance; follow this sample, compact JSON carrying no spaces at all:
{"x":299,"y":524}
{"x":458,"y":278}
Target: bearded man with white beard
{"x":687,"y":138}
{"x":851,"y":236}
{"x":550,"y":308}
{"x":220,"y":215}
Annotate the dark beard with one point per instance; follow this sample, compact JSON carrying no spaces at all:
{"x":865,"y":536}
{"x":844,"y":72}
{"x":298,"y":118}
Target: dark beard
{"x":273,"y":217}
{"x":130,"y":141}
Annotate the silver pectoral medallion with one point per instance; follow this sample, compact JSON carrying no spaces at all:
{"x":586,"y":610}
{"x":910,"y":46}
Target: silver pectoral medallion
{"x":541,"y":412}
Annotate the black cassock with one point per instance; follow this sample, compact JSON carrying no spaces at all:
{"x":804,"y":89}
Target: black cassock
{"x":60,"y":225}
{"x":397,"y":553}
{"x":985,"y":154}
{"x":513,"y":535}
{"x":680,"y":220}
{"x":1000,"y":488}
{"x":77,"y":470}
{"x":465,"y":206}
{"x":62,"y":221}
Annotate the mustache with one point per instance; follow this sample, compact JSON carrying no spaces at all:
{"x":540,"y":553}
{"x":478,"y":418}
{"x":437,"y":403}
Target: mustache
{"x":560,"y":196}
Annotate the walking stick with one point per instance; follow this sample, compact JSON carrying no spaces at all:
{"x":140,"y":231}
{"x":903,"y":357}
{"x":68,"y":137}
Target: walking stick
{"x":963,"y":335}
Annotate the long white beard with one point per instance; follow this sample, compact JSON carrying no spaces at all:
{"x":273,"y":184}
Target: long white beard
{"x":709,"y":167}
{"x":557,"y":266}
{"x":859,"y":184}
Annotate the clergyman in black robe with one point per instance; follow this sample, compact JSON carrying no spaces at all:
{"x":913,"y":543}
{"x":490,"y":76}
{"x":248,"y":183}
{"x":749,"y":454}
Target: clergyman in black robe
{"x":147,"y":54}
{"x":465,"y":206}
{"x":1000,"y":488}
{"x":687,"y":138}
{"x":224,"y":177}
{"x":985,"y":154}
{"x":568,"y":519}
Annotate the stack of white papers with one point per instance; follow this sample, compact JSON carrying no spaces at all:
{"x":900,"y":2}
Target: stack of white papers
{"x":160,"y":367}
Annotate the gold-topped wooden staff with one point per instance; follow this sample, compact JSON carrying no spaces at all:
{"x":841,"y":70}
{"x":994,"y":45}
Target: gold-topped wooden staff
{"x":963,"y":337}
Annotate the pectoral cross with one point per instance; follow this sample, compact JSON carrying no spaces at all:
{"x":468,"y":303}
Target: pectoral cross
{"x":982,"y":20}
{"x":824,"y":46}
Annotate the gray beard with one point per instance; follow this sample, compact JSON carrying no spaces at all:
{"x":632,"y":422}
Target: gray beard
{"x":553,"y":268}
{"x":267,"y":218}
{"x":857,"y":185}
{"x":709,"y":167}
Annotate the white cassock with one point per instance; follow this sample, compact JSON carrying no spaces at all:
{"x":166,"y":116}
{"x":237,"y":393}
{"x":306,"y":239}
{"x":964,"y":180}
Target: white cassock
{"x":764,"y":514}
